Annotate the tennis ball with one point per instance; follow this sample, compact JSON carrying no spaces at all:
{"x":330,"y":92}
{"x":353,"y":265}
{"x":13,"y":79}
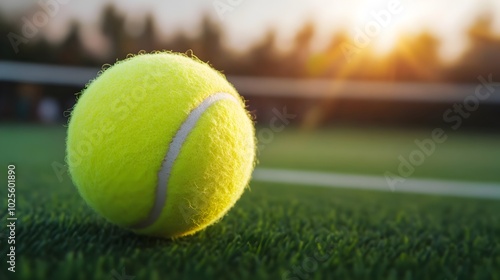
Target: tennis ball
{"x":160,"y":144}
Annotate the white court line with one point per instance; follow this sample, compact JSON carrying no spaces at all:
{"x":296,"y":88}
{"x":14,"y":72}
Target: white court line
{"x":379,"y":183}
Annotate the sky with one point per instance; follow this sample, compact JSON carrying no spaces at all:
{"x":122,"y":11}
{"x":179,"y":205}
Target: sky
{"x":247,"y":21}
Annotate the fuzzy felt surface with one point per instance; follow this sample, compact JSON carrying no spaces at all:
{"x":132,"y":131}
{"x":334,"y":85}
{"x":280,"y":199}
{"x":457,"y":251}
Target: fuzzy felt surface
{"x":120,"y":131}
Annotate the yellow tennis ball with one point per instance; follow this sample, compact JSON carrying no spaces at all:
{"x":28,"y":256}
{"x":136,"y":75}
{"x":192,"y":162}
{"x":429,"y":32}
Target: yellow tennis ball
{"x":161,"y":144}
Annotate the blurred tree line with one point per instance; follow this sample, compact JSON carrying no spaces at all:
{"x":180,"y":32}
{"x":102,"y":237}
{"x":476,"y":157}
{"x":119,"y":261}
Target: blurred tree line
{"x":415,"y":58}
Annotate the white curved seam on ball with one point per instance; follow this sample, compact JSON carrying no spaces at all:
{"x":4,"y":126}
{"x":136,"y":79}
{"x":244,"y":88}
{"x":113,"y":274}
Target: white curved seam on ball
{"x":172,"y":153}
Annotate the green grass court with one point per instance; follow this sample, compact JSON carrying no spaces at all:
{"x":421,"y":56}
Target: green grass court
{"x":275,"y":231}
